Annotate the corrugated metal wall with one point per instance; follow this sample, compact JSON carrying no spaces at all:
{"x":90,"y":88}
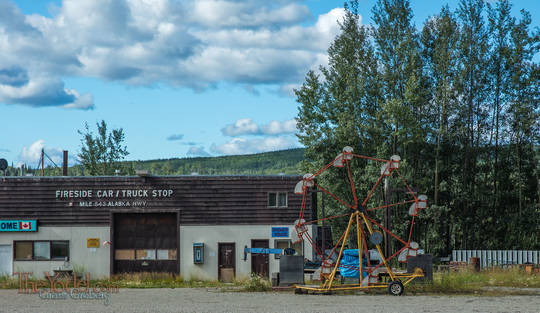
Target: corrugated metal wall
{"x":489,"y":258}
{"x":199,"y":200}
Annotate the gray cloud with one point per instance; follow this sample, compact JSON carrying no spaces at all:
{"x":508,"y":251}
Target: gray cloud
{"x":31,"y":64}
{"x":14,"y":76}
{"x":197,"y":152}
{"x":43,"y":91}
{"x":196,"y":44}
{"x":175,"y":137}
{"x":250,"y":13}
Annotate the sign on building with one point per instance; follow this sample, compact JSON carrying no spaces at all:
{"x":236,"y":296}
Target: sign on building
{"x":18,"y":225}
{"x":280,"y":232}
{"x":92,"y":242}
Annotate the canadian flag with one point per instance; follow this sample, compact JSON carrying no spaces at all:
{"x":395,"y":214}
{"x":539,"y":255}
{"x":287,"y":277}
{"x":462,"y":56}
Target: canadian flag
{"x":24,"y":225}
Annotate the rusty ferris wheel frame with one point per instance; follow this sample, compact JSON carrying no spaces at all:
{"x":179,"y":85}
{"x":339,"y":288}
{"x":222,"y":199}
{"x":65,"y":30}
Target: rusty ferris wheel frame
{"x":358,"y":215}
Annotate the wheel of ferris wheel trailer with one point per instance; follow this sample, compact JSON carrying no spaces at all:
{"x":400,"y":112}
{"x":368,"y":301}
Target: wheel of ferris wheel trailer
{"x":362,"y":228}
{"x":395,"y":288}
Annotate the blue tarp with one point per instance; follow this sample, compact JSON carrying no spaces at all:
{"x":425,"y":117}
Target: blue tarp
{"x":350,"y":262}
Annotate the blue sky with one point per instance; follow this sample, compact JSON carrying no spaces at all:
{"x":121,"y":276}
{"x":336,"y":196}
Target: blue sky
{"x":182,"y":78}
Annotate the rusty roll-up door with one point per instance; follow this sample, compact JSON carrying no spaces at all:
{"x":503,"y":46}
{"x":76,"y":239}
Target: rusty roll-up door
{"x":145,"y":242}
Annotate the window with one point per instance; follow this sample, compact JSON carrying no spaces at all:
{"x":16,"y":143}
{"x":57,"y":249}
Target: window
{"x":23,"y":250}
{"x":282,"y":199}
{"x":59,"y":250}
{"x":277,"y":199}
{"x":41,"y":250}
{"x":145,"y":254}
{"x":272,"y":202}
{"x":124,"y":254}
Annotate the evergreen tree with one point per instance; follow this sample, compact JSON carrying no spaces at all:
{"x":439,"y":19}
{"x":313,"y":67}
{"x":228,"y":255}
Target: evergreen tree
{"x":500,"y":27}
{"x":440,"y":36}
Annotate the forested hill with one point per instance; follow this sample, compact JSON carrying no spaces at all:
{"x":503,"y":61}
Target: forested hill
{"x":267,"y":163}
{"x":285,"y":161}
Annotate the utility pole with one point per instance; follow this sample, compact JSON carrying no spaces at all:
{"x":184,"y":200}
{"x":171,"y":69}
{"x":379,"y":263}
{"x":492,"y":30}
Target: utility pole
{"x":323,"y":245}
{"x":387,"y":243}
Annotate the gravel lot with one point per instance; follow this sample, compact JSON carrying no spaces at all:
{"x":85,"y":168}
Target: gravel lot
{"x":203,"y":300}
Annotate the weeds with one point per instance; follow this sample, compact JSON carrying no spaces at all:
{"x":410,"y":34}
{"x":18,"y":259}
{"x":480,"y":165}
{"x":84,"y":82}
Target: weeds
{"x":257,"y":284}
{"x":467,"y":281}
{"x":462,"y":282}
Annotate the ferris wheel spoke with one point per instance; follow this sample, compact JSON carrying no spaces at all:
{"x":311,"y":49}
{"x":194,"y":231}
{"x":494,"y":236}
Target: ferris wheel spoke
{"x":406,"y":185}
{"x":352,"y":184}
{"x":390,"y":205}
{"x":326,"y":218}
{"x":372,"y":190}
{"x":334,"y":196}
{"x":370,"y":158}
{"x":386,"y":230}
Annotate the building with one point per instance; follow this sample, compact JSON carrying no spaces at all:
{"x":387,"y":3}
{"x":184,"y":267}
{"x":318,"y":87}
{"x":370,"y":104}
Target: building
{"x":195,"y":226}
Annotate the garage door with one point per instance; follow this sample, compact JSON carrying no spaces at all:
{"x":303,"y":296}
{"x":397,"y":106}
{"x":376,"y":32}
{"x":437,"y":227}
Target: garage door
{"x":145,"y":242}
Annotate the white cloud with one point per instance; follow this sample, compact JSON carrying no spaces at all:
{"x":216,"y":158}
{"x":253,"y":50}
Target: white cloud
{"x":246,"y":126}
{"x":278,"y":128}
{"x":31,"y":155}
{"x":197,"y":152}
{"x":197,"y":44}
{"x":243,"y":126}
{"x":248,"y":146}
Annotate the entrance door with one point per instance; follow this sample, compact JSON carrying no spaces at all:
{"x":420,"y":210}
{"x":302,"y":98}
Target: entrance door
{"x":5,"y":260}
{"x":226,"y":262}
{"x":145,"y":242}
{"x":259,"y":262}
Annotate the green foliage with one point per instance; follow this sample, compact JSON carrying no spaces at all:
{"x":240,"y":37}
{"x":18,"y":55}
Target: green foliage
{"x":458,"y":101}
{"x":466,"y":281}
{"x":100,"y":154}
{"x":268,"y":163}
{"x":257,"y":284}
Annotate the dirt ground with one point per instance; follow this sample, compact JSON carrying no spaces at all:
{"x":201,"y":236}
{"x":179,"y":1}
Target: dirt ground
{"x":212,"y":300}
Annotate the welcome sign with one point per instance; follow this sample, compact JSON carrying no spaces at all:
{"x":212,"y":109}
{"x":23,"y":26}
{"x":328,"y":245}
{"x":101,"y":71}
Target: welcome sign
{"x":18,"y":225}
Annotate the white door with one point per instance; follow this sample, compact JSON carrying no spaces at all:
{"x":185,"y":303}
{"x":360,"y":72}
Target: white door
{"x":5,"y":260}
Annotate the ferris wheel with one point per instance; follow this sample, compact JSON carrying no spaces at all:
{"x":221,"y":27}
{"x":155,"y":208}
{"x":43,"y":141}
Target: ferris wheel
{"x":367,"y":230}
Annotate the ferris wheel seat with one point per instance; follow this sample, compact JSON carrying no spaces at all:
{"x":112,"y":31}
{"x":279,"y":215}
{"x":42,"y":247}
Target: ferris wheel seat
{"x":386,"y":169}
{"x":348,"y":153}
{"x":339,"y":161}
{"x":306,"y":182}
{"x":395,"y":160}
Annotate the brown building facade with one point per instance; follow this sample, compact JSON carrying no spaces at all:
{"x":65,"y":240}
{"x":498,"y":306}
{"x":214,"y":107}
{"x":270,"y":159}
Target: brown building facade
{"x":188,"y":225}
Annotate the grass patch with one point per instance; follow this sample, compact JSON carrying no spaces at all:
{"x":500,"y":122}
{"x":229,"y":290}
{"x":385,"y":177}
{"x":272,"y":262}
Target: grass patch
{"x":461,"y":282}
{"x":469,"y":282}
{"x":8,"y":282}
{"x":255,"y":284}
{"x":155,"y":280}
